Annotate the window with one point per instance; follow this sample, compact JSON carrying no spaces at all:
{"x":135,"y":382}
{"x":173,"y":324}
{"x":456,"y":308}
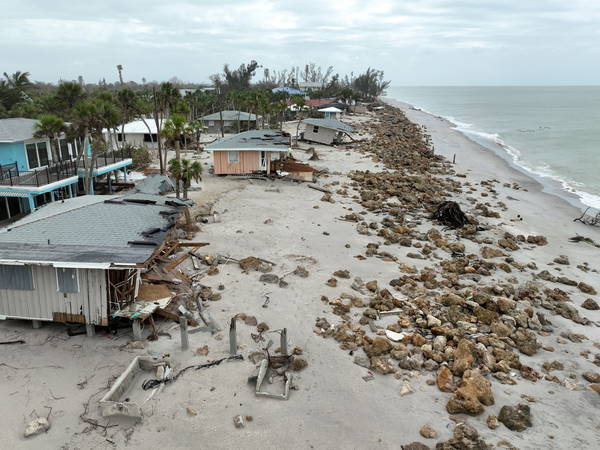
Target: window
{"x":211,"y":123}
{"x":150,"y":137}
{"x":233,"y":157}
{"x":119,"y":137}
{"x":315,"y":129}
{"x":42,"y":153}
{"x":66,"y":280}
{"x":18,"y":278}
{"x":32,"y":156}
{"x":64,"y":149}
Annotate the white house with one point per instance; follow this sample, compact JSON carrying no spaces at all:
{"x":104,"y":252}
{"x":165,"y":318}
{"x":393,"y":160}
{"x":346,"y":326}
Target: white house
{"x":331,"y":112}
{"x":325,"y":131}
{"x":137,"y":133}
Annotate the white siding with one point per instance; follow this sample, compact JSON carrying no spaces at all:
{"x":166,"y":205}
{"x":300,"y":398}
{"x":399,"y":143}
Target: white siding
{"x":44,"y":300}
{"x":323,"y":136}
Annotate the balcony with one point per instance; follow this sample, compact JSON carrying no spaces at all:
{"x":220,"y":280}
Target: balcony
{"x":10,"y":175}
{"x":106,"y":162}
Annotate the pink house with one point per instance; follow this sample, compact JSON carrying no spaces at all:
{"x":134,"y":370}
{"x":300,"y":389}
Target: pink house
{"x":248,"y":152}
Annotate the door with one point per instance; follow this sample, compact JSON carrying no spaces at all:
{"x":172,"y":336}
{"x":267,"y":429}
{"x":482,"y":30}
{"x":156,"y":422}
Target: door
{"x":263,"y":161}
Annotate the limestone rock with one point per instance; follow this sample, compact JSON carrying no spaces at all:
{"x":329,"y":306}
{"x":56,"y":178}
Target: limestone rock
{"x":37,"y":426}
{"x":381,"y":365}
{"x":464,"y":356}
{"x":489,"y":252}
{"x":592,"y":377}
{"x":371,"y":285}
{"x":590,"y":305}
{"x":269,"y":278}
{"x":415,"y":446}
{"x":465,"y":437}
{"x":428,"y":432}
{"x":444,"y":380}
{"x":516,"y":418}
{"x":525,"y":341}
{"x":492,"y":421}
{"x":562,"y":259}
{"x":341,"y":274}
{"x":379,"y":346}
{"x":301,"y":272}
{"x":472,"y":394}
{"x":586,"y":288}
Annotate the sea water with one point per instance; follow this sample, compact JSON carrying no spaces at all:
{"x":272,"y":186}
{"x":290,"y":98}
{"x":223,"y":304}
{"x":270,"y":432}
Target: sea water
{"x":551,"y":132}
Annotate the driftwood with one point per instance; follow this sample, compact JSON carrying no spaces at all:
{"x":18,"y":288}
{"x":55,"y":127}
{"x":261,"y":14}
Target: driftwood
{"x":587,"y":240}
{"x":589,"y":219}
{"x":450,"y":214}
{"x":319,"y":188}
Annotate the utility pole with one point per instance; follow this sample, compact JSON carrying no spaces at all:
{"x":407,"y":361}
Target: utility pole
{"x":120,"y":69}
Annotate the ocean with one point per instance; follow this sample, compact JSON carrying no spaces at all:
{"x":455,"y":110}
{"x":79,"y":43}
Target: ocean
{"x":551,"y":132}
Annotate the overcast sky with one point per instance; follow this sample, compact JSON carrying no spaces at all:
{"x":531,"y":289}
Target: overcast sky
{"x":416,"y":42}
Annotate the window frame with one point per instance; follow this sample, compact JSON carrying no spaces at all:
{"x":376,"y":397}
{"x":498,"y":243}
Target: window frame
{"x":56,"y":269}
{"x":237,"y":157}
{"x":37,"y":145}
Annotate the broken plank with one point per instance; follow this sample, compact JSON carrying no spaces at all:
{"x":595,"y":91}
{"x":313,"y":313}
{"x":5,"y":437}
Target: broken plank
{"x":319,"y":188}
{"x":193,"y":244}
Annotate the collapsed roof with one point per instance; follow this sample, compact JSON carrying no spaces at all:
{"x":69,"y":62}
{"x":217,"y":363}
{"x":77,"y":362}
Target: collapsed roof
{"x":330,"y":123}
{"x":253,"y":140}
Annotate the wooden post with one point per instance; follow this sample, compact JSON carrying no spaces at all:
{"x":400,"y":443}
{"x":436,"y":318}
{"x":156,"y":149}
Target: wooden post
{"x":283,"y":342}
{"x":232,"y":338}
{"x":183,"y":326}
{"x":454,"y":159}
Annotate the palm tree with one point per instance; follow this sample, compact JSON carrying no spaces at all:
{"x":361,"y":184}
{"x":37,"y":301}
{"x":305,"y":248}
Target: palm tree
{"x":18,"y":80}
{"x":67,"y":95}
{"x":184,"y":172}
{"x":163,"y":100}
{"x":128,"y":102}
{"x":173,"y":130}
{"x":298,"y":100}
{"x":51,"y":127}
{"x":175,"y":171}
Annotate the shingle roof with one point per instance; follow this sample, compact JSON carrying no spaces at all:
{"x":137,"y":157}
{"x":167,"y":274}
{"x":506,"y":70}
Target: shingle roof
{"x":17,"y":129}
{"x":265,"y":140}
{"x":91,"y":230}
{"x":230,"y":115}
{"x":330,"y":123}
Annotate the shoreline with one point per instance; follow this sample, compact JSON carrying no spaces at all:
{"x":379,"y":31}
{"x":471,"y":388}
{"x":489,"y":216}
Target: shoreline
{"x":551,"y":185}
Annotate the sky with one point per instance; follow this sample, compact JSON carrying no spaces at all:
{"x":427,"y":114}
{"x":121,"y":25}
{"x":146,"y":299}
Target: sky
{"x":416,"y":42}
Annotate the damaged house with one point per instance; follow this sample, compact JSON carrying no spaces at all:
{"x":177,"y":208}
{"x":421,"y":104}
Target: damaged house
{"x":80,"y":260}
{"x":325,"y":131}
{"x":248,"y":152}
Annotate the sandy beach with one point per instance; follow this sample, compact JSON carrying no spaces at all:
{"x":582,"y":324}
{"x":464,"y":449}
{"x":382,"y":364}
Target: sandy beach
{"x":337,"y":402}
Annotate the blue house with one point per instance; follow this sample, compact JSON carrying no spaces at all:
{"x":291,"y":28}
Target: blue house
{"x":31,"y":175}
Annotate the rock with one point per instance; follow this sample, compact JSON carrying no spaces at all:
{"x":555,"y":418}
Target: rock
{"x":379,"y":346}
{"x":529,"y":373}
{"x":562,"y":259}
{"x":298,"y":364}
{"x":381,"y":365}
{"x":489,"y":252}
{"x":592,"y":377}
{"x":492,"y":421}
{"x":253,"y":263}
{"x":238,"y":421}
{"x":450,"y":299}
{"x":406,"y":388}
{"x":301,"y":272}
{"x":586,"y":288}
{"x":332,"y":282}
{"x":269,"y":278}
{"x":463,"y":357}
{"x":213,"y":271}
{"x":428,"y":432}
{"x":595,"y":388}
{"x":37,"y":426}
{"x":202,"y":351}
{"x":473,"y":392}
{"x":444,"y":380}
{"x":525,"y":341}
{"x":590,"y":305}
{"x":516,"y":418}
{"x":250,"y":321}
{"x":371,"y":285}
{"x":433,"y":321}
{"x":191,"y":411}
{"x":537,"y":240}
{"x":341,"y":274}
{"x":261,"y":327}
{"x":415,"y":446}
{"x":465,"y":437}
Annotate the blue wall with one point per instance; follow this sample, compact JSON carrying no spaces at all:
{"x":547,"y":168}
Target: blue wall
{"x":14,"y":151}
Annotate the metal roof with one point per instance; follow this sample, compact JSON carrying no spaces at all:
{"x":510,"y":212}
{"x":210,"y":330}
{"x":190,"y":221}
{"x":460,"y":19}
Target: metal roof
{"x":17,"y":129}
{"x":330,"y":123}
{"x":331,"y":109}
{"x":230,"y":115}
{"x":288,"y":90}
{"x":99,"y":230}
{"x":264,"y":140}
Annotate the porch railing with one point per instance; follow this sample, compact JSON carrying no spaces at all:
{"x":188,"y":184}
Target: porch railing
{"x":10,"y":175}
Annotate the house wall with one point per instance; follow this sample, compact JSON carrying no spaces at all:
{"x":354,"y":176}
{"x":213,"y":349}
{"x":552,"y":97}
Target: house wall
{"x":13,"y":151}
{"x":324,"y":135}
{"x":229,"y":126}
{"x":248,"y":163}
{"x":44,"y":302}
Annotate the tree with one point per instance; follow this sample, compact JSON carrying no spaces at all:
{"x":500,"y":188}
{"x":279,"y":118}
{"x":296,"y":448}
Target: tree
{"x":51,"y":127}
{"x":298,"y":100}
{"x":129,"y":104}
{"x":371,"y":83}
{"x":173,"y":131}
{"x":184,"y":172}
{"x":163,"y":101}
{"x":93,"y":116}
{"x":67,"y":95}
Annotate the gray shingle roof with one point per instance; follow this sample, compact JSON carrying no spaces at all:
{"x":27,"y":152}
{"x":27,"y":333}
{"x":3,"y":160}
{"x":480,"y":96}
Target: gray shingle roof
{"x":265,"y":140}
{"x":330,"y":123}
{"x":91,"y":231}
{"x":230,"y":115}
{"x":17,"y":129}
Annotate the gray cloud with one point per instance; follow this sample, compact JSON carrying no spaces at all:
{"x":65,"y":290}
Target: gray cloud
{"x":414,"y":41}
